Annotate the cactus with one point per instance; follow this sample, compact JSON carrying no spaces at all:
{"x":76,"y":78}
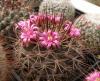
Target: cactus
{"x":58,"y":7}
{"x":10,"y":12}
{"x":90,"y":27}
{"x":47,"y":49}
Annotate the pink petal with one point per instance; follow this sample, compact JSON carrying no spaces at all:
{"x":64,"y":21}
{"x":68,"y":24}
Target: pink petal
{"x":49,"y":32}
{"x":57,"y":19}
{"x":21,"y":23}
{"x":34,"y":36}
{"x":51,"y":18}
{"x":54,"y":45}
{"x":25,"y":40}
{"x":35,"y":28}
{"x":22,"y":36}
{"x":71,"y":34}
{"x":28,"y":23}
{"x":33,"y":25}
{"x":55,"y":33}
{"x":44,"y":33}
{"x":34,"y":18}
{"x":41,"y":38}
{"x":44,"y":43}
{"x":36,"y":32}
{"x":56,"y":42}
{"x":67,"y":27}
{"x":49,"y":45}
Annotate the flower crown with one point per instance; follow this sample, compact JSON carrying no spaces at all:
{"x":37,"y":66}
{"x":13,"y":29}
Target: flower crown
{"x":48,"y":31}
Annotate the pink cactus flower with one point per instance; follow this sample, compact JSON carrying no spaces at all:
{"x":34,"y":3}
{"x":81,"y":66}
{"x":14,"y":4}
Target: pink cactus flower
{"x":57,"y":19}
{"x":54,"y":19}
{"x":74,"y":32}
{"x":34,"y":18}
{"x":51,"y":17}
{"x":29,"y":35}
{"x":29,"y":32}
{"x":20,"y":24}
{"x":95,"y":76}
{"x":49,"y":39}
{"x":67,"y":25}
{"x":37,"y":19}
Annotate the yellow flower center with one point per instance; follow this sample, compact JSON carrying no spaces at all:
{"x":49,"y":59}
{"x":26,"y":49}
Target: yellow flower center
{"x":50,"y":37}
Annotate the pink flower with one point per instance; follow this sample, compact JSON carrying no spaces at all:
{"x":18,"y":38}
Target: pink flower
{"x":95,"y":76}
{"x":29,"y":32}
{"x":67,"y":25}
{"x":54,"y":19}
{"x":20,"y":24}
{"x":49,"y":39}
{"x":57,"y":19}
{"x":29,"y":35}
{"x":37,"y":19}
{"x":34,"y":18}
{"x":74,"y":32}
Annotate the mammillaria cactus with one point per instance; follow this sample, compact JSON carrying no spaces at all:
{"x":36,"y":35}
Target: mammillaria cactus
{"x":90,"y":30}
{"x":49,"y":51}
{"x":58,"y":7}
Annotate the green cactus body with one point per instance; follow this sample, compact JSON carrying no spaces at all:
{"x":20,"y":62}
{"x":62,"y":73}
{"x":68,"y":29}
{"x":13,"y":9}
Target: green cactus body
{"x":90,"y":30}
{"x":58,"y":7}
{"x":97,"y":2}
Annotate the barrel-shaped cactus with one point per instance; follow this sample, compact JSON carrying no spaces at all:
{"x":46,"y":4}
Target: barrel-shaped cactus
{"x":58,"y":7}
{"x":47,"y":49}
{"x":90,"y":30}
